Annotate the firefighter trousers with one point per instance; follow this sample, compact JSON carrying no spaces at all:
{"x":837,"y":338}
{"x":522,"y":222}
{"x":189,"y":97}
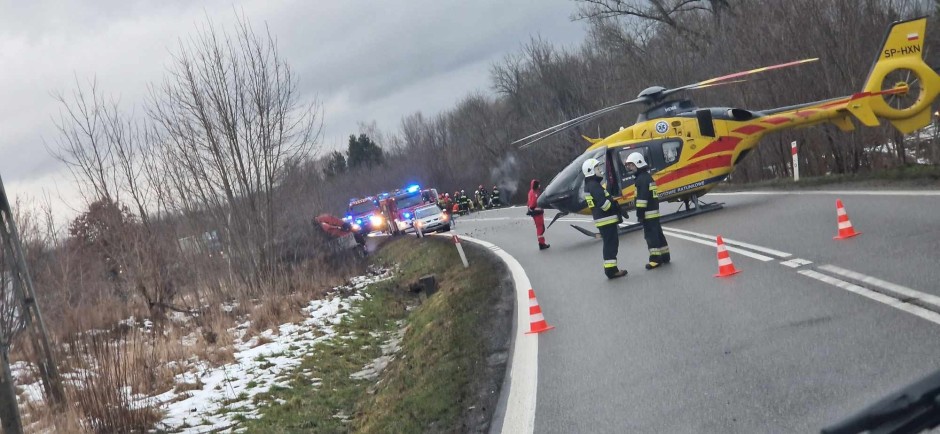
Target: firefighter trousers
{"x":611,"y":240}
{"x":539,"y":227}
{"x":656,"y":241}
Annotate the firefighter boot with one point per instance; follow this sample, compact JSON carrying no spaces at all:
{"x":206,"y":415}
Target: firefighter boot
{"x":614,"y":272}
{"x":543,"y":246}
{"x":651,"y":265}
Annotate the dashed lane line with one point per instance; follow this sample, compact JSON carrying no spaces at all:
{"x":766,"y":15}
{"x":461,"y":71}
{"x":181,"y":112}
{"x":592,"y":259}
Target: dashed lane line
{"x":729,"y":241}
{"x":796,"y":263}
{"x":892,"y":288}
{"x":877,"y":296}
{"x":747,"y":253}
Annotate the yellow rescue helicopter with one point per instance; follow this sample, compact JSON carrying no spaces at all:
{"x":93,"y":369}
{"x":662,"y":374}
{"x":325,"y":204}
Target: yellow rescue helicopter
{"x":690,"y":150}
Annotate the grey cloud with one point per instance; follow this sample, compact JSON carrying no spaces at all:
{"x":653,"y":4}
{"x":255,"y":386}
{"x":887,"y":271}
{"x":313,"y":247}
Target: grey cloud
{"x":375,"y":60}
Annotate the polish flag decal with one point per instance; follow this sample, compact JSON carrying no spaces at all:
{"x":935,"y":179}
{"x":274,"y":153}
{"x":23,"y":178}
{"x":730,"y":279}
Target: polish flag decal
{"x":913,"y":36}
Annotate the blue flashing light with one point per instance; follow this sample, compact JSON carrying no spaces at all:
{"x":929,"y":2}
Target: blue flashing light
{"x":347,"y":217}
{"x":359,"y":221}
{"x":413,"y":188}
{"x":407,"y":215}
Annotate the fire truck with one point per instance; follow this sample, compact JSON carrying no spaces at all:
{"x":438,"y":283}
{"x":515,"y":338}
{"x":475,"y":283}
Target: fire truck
{"x":365,"y":214}
{"x":405,"y":201}
{"x":388,"y":209}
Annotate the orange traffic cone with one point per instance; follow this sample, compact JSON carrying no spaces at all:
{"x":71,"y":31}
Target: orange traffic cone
{"x":845,"y":226}
{"x":537,"y":322}
{"x":725,"y":267}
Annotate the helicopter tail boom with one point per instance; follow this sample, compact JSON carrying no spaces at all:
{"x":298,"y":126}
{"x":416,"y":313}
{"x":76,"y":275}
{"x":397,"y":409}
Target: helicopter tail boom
{"x":900,"y":88}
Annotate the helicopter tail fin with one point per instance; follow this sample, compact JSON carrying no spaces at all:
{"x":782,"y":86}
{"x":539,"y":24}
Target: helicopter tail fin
{"x":900,"y":84}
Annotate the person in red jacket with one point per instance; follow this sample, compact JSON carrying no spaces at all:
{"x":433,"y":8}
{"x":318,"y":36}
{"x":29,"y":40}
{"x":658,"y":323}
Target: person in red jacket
{"x":537,"y":213}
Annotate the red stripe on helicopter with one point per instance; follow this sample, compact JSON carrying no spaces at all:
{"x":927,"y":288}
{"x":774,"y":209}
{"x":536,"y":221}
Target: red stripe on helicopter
{"x":806,"y":113}
{"x":749,"y":129}
{"x":835,"y":103}
{"x":723,"y":144}
{"x":694,"y":168}
{"x":777,"y":120}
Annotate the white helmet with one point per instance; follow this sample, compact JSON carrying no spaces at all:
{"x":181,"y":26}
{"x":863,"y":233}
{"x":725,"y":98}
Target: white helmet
{"x":637,"y":159}
{"x":589,"y":166}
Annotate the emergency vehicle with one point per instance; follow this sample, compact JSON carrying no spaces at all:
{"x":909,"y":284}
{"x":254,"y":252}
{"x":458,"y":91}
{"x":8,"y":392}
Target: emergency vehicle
{"x":365,"y":214}
{"x":388,"y":209}
{"x":406,"y":201}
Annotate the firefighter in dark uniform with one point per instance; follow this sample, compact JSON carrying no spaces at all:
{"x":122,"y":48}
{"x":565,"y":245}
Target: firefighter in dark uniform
{"x":495,"y":200}
{"x":606,"y":213}
{"x":647,"y":211}
{"x":464,"y":202}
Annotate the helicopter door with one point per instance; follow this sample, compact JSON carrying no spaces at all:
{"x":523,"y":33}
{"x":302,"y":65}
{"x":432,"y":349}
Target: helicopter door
{"x":625,"y":177}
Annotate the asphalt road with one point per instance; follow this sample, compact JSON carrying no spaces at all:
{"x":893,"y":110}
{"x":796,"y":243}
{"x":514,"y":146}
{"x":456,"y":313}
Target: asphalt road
{"x":773,"y":349}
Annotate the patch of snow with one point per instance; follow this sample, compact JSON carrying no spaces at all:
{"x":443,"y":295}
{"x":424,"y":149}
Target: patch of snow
{"x":389,"y":349}
{"x":228,"y":391}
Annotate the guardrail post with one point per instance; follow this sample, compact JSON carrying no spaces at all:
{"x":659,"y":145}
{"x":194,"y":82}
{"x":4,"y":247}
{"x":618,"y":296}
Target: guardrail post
{"x":463,"y":256}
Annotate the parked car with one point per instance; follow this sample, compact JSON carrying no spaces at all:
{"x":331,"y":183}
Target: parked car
{"x":430,"y":218}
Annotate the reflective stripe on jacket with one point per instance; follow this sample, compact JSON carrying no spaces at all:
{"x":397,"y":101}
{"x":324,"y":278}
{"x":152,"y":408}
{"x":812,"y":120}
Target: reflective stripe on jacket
{"x":604,"y":208}
{"x":647,"y":196}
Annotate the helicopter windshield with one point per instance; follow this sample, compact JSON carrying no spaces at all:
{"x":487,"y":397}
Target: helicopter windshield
{"x":571,"y":178}
{"x":564,"y":191}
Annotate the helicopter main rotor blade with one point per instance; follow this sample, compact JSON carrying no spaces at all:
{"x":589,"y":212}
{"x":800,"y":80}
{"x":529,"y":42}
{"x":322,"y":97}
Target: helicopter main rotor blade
{"x":718,"y":80}
{"x":718,"y":84}
{"x":725,"y":79}
{"x":551,"y":131}
{"x":581,"y":120}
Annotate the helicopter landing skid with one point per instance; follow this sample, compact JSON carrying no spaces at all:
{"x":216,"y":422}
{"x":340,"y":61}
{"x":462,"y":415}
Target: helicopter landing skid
{"x":691,"y":207}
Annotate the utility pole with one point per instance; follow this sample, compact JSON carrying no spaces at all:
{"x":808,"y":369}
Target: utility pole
{"x":25,"y":294}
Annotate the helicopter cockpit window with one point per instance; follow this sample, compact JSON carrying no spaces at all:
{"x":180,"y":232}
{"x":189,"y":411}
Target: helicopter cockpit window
{"x":626,"y":177}
{"x":671,"y":151}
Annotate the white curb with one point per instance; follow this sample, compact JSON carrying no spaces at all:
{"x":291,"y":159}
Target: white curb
{"x":515,"y":412}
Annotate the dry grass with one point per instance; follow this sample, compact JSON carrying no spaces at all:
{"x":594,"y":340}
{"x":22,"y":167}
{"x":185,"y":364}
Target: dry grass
{"x":106,"y":374}
{"x":274,"y":311}
{"x":108,"y":363}
{"x":40,"y":419}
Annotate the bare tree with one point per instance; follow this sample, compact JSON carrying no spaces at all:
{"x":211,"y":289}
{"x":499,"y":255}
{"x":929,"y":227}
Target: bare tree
{"x":82,"y":143}
{"x":231,"y":117}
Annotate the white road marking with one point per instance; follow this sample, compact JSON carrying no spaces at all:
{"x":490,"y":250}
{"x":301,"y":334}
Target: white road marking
{"x":902,"y":291}
{"x":493,"y":219}
{"x":766,"y":250}
{"x":517,"y":399}
{"x":490,"y":219}
{"x":796,"y":263}
{"x":877,"y":296}
{"x":747,"y":253}
{"x":834,"y":192}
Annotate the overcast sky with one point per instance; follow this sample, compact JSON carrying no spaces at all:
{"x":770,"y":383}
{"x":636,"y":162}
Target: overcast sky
{"x":365,"y":60}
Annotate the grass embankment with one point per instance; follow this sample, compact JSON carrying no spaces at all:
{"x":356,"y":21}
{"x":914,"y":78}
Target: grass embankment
{"x":440,"y":380}
{"x":917,"y":176}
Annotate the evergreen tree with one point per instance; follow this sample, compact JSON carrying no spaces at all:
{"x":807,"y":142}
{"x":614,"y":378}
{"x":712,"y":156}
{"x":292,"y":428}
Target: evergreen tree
{"x":364,"y":152}
{"x":335,"y":164}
